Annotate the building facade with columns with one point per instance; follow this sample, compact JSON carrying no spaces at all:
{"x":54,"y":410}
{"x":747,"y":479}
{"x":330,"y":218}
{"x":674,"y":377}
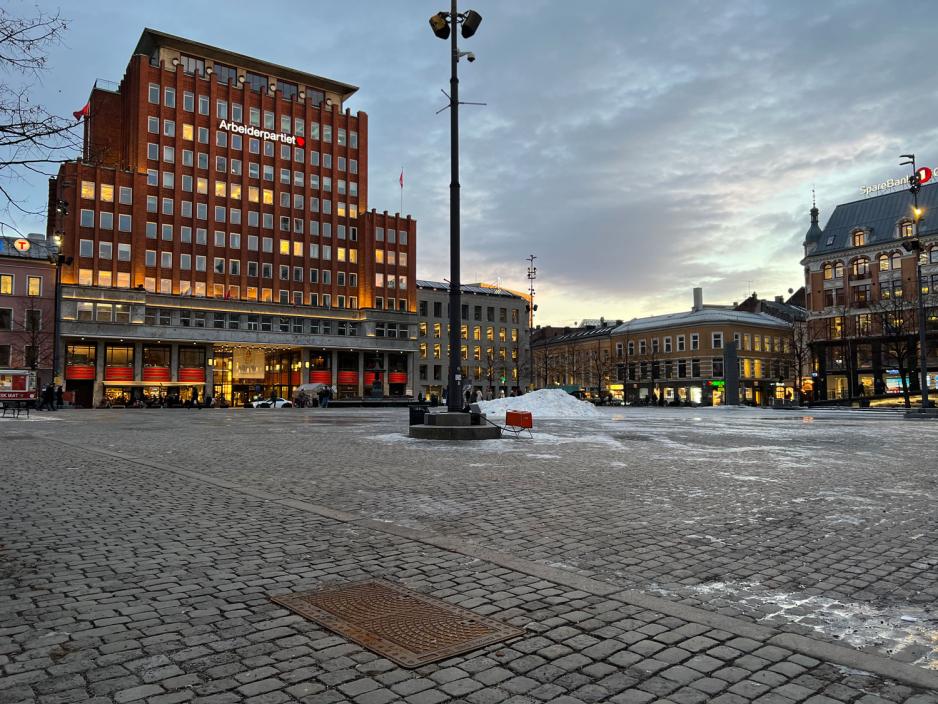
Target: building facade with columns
{"x":221,"y":240}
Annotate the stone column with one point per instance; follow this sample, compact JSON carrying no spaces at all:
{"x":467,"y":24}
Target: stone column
{"x":209,"y":374}
{"x":386,"y":384}
{"x":138,"y":361}
{"x":99,"y":373}
{"x":304,"y":365}
{"x":361,"y":374}
{"x":413,"y":383}
{"x":174,"y":362}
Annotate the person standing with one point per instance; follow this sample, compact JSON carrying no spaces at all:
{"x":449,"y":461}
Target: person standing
{"x":59,"y":396}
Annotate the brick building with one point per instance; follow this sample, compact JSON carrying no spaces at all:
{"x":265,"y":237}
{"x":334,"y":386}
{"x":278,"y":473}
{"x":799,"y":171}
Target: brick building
{"x":27,"y":304}
{"x":862,"y":297}
{"x":222,"y":242}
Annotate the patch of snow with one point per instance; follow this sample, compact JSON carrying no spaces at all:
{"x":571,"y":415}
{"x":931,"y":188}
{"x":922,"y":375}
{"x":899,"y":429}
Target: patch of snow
{"x":543,"y":403}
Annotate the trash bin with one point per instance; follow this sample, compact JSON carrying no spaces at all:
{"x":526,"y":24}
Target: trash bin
{"x":417,"y":414}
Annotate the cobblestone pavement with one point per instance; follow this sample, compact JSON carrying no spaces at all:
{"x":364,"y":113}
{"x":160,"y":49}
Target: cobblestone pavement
{"x":140,"y":549}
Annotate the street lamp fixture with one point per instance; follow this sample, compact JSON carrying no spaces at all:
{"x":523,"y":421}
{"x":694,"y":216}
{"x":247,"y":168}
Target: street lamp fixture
{"x":444,"y":25}
{"x":914,"y":244}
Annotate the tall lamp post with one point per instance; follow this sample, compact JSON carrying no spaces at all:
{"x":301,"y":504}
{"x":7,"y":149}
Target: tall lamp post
{"x":532,"y":275}
{"x":915,"y":245}
{"x":444,"y":25}
{"x":59,"y":260}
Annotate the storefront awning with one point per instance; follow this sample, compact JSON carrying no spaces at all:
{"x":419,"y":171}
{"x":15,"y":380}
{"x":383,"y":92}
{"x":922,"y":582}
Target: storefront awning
{"x":154,"y":383}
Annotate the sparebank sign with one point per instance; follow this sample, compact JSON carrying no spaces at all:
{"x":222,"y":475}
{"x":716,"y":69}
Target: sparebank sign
{"x":267,"y":136}
{"x":890,"y":184}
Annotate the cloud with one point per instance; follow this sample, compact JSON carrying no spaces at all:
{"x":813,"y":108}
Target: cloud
{"x":638,"y":149}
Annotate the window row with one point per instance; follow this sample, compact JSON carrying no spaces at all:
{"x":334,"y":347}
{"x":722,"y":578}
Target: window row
{"x":266,"y":119}
{"x":200,"y":160}
{"x":438,"y":312}
{"x":105,"y":250}
{"x":439,"y":329}
{"x":8,"y":285}
{"x":106,"y":194}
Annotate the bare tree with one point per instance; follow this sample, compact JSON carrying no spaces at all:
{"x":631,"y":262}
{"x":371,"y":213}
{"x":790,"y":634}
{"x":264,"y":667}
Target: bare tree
{"x":797,"y":351}
{"x":601,"y":368}
{"x":33,"y":336}
{"x":32,"y":140}
{"x":898,"y":318}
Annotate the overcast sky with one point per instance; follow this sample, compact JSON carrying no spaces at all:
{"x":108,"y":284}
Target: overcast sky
{"x":639,"y":149}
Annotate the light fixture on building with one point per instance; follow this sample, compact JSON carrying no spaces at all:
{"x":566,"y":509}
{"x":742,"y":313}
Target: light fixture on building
{"x":209,"y":71}
{"x":241,"y":78}
{"x":175,"y":61}
{"x":302,"y":95}
{"x":272,"y":87}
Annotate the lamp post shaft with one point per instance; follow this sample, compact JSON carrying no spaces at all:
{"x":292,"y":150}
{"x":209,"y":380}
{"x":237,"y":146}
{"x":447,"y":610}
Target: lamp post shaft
{"x":56,"y":332}
{"x":923,"y":353}
{"x":454,"y":394}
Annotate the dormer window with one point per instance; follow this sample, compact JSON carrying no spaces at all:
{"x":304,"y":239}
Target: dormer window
{"x":287,"y":90}
{"x":830,"y":240}
{"x":905,"y":229}
{"x":226,"y":75}
{"x":859,"y":238}
{"x":256,"y":82}
{"x":192,"y":65}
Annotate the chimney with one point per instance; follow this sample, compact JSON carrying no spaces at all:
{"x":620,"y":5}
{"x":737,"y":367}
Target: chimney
{"x":779,"y":299}
{"x":698,"y":299}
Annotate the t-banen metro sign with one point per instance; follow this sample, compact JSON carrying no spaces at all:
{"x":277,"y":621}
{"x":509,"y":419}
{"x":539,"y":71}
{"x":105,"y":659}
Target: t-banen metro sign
{"x":266,"y":135}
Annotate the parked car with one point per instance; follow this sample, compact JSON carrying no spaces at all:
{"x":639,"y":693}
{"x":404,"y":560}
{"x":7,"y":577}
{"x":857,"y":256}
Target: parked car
{"x":272,"y":403}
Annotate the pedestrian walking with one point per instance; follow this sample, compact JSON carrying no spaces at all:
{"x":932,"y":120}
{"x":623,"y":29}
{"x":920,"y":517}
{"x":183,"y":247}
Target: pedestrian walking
{"x":59,"y":396}
{"x":47,"y":399}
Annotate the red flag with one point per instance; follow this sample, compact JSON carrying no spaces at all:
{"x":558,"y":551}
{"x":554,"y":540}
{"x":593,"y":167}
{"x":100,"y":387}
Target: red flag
{"x":84,"y":112}
{"x":402,"y":178}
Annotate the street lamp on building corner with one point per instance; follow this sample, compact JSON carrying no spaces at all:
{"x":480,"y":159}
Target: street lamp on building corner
{"x":444,"y":25}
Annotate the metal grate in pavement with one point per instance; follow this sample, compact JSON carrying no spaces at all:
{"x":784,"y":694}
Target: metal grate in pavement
{"x":402,"y":625}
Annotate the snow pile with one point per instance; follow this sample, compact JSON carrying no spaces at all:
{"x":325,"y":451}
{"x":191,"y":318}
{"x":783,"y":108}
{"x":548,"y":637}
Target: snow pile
{"x":544,"y":403}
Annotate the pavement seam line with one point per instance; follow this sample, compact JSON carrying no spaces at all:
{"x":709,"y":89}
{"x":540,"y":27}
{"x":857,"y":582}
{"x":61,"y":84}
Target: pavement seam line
{"x":804,"y":645}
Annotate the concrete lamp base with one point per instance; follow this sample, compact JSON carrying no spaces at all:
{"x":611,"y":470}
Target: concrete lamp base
{"x":454,"y":426}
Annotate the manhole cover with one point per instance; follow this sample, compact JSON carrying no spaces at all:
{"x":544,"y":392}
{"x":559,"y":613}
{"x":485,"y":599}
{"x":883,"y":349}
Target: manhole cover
{"x":402,"y":625}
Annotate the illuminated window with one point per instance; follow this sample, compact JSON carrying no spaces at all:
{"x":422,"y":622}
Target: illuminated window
{"x":33,"y":285}
{"x":285,"y":247}
{"x":236,"y":191}
{"x":298,"y":249}
{"x":87,"y":189}
{"x":379,"y":256}
{"x":268,"y":196}
{"x":201,"y":185}
{"x":254,"y":194}
{"x":221,"y":189}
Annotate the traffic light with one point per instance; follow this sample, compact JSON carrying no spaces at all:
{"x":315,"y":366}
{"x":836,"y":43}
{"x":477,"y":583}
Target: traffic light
{"x":915,"y":182}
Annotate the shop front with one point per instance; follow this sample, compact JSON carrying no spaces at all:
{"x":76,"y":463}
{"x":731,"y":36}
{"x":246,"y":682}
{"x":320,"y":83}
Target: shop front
{"x":80,"y":373}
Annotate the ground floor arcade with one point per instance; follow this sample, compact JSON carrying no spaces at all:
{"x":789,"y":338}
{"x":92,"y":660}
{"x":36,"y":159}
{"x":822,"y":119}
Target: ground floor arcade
{"x":125,"y":372}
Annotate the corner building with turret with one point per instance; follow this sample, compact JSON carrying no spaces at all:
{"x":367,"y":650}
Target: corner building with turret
{"x":221,"y":241}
